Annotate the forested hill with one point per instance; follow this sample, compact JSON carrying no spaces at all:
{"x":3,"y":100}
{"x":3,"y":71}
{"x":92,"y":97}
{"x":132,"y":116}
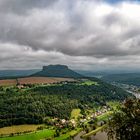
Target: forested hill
{"x":57,"y":71}
{"x":127,"y":78}
{"x":32,"y":105}
{"x":16,"y":73}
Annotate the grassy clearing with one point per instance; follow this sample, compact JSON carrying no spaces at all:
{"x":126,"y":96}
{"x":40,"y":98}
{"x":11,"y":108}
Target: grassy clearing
{"x":114,"y":105}
{"x":68,"y":135}
{"x":75,"y":113}
{"x":18,"y":129}
{"x":89,"y":83}
{"x":104,"y":116}
{"x":46,"y":133}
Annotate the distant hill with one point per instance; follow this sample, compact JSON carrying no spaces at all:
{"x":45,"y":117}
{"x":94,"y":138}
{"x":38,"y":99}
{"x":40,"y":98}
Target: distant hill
{"x":125,"y":78}
{"x":57,"y":71}
{"x":91,"y":74}
{"x":4,"y":74}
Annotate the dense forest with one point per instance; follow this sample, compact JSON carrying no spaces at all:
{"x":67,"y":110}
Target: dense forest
{"x":33,"y":105}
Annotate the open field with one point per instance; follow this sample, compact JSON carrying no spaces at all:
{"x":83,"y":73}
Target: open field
{"x":89,"y":83}
{"x":33,"y":80}
{"x":104,"y":116}
{"x":75,"y":113}
{"x":8,"y":82}
{"x":42,"y":80}
{"x":46,"y":133}
{"x":17,"y":129}
{"x":42,"y":134}
{"x":68,"y":135}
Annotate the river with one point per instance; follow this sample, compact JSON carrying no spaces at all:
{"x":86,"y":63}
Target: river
{"x":137,"y":95}
{"x":98,"y":136}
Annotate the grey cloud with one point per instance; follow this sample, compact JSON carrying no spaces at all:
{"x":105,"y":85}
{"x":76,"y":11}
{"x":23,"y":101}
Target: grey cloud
{"x":23,"y":6}
{"x":114,"y":18}
{"x":70,"y":28}
{"x":35,"y":30}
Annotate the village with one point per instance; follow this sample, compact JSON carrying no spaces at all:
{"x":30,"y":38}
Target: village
{"x":88,"y":122}
{"x":135,"y":90}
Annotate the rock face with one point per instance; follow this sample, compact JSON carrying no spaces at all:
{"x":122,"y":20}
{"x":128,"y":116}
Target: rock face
{"x":58,"y":71}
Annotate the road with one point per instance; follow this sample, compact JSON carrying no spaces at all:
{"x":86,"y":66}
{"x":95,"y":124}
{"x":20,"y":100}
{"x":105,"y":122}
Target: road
{"x":137,"y":95}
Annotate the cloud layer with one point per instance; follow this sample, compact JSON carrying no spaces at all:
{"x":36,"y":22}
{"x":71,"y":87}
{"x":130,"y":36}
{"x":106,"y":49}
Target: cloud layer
{"x":85,"y":33}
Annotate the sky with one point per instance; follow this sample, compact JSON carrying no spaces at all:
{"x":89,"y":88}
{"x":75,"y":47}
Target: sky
{"x":83,"y":34}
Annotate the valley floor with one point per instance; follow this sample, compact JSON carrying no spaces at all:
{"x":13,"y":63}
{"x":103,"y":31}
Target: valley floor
{"x":47,"y":133}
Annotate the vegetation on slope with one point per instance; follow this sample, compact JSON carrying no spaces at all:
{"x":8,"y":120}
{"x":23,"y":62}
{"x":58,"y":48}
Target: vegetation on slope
{"x":6,"y":74}
{"x":128,"y":78}
{"x":34,"y":105}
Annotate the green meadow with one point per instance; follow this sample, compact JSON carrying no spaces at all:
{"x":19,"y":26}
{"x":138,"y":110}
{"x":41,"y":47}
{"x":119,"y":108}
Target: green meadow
{"x":46,"y":133}
{"x":75,"y":113}
{"x":89,"y":83}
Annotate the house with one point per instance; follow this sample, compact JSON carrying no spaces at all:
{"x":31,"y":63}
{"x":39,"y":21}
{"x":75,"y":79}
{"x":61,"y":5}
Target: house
{"x":20,"y":86}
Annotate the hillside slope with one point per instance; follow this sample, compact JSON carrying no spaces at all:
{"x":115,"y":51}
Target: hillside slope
{"x":127,"y":78}
{"x":57,"y":71}
{"x":33,"y":105}
{"x":4,"y":74}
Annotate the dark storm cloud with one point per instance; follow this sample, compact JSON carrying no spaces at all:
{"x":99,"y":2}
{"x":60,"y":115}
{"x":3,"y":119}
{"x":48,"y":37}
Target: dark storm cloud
{"x":68,"y":31}
{"x":23,"y":6}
